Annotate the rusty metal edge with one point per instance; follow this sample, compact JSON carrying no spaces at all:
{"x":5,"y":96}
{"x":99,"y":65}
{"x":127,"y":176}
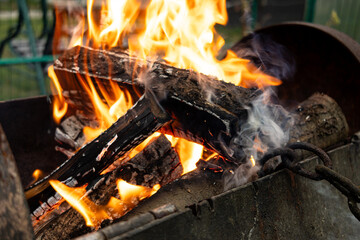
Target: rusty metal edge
{"x":349,"y":43}
{"x":194,"y":212}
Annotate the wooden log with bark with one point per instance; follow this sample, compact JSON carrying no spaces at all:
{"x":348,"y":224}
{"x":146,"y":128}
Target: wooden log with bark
{"x":203,"y":109}
{"x":158,"y":163}
{"x":318,"y":120}
{"x":14,"y":212}
{"x":143,"y":119}
{"x":187,"y":97}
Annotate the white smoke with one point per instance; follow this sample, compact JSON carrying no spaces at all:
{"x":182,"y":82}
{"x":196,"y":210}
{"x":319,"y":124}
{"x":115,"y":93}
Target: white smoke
{"x":267,"y":127}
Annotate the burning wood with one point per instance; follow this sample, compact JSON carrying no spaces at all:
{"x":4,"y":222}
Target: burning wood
{"x":203,"y":109}
{"x":220,"y":119}
{"x":195,"y":114}
{"x":240,"y":124}
{"x":157,"y":164}
{"x":96,"y":156}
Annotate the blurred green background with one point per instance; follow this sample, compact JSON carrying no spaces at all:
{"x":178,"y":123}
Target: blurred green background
{"x":19,"y":80}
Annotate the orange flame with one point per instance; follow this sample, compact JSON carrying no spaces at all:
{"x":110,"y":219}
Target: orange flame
{"x":37,"y":174}
{"x":169,"y":32}
{"x":117,"y":17}
{"x":181,"y":32}
{"x":252,"y":160}
{"x":59,"y":104}
{"x":94,"y":214}
{"x":189,"y":154}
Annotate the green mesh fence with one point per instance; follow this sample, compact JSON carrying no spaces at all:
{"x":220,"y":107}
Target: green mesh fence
{"x":343,"y":15}
{"x":19,"y":80}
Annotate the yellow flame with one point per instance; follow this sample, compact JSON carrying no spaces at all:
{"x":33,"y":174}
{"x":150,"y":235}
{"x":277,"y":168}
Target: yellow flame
{"x":116,"y":18}
{"x":252,"y":160}
{"x":189,"y":154}
{"x":94,"y":214}
{"x":166,"y":30}
{"x":130,"y":193}
{"x":74,"y":196}
{"x":59,"y":105}
{"x":182,"y":32}
{"x":37,"y":174}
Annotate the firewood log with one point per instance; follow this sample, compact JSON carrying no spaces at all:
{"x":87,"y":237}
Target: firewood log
{"x":127,"y":132}
{"x":203,"y":109}
{"x":319,"y":120}
{"x":158,"y":163}
{"x":14,"y":213}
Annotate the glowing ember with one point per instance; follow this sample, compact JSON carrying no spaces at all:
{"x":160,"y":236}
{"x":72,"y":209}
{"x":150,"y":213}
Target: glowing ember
{"x":94,"y":214}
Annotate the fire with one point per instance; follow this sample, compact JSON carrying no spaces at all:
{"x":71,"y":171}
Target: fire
{"x":117,"y":17}
{"x":182,"y":33}
{"x":252,"y":160}
{"x":130,"y":193}
{"x":166,"y":30}
{"x":37,"y":174}
{"x":59,"y":104}
{"x":94,"y":214}
{"x":189,"y":154}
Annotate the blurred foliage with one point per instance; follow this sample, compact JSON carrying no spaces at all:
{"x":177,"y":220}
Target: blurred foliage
{"x":334,"y":19}
{"x":17,"y":81}
{"x":343,"y":15}
{"x":20,"y":80}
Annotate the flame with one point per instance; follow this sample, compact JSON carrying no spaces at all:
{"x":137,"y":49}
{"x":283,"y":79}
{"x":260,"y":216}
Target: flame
{"x":189,"y":154}
{"x":252,"y":160}
{"x":117,"y":17}
{"x":166,"y":30}
{"x":59,"y":104}
{"x":37,"y":175}
{"x":182,"y":33}
{"x":94,"y":214}
{"x":170,"y":32}
{"x":130,"y":193}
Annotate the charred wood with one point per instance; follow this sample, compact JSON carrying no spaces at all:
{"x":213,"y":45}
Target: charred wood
{"x":158,"y":163}
{"x":127,"y":132}
{"x":70,"y":133}
{"x":319,"y":120}
{"x":203,"y":109}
